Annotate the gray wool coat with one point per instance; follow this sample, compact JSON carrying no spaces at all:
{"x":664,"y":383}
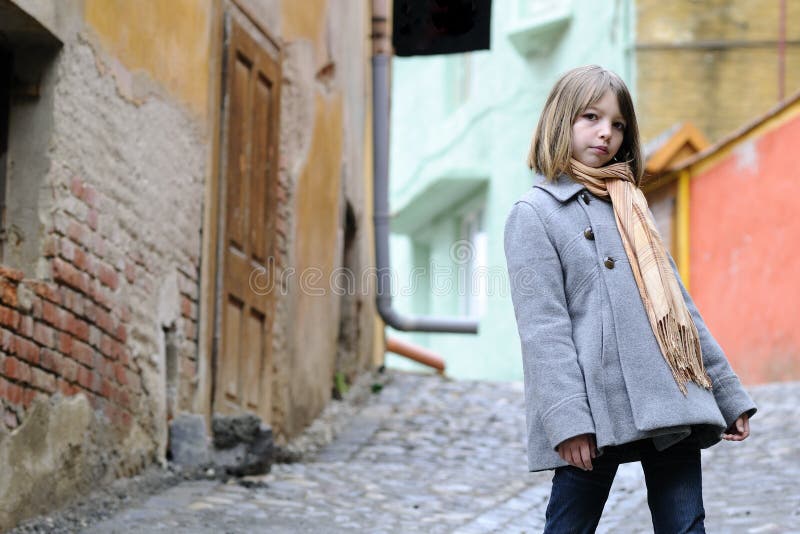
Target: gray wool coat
{"x":591,"y":361}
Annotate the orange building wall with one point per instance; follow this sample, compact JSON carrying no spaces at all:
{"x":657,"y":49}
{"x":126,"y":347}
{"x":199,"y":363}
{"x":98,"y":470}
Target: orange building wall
{"x":744,"y":255}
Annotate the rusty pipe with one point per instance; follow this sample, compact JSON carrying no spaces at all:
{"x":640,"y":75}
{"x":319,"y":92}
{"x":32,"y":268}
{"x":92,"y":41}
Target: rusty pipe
{"x":416,"y":353}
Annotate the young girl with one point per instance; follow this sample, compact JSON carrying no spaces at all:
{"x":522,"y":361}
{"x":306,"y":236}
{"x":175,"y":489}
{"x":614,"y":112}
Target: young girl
{"x":618,"y":363}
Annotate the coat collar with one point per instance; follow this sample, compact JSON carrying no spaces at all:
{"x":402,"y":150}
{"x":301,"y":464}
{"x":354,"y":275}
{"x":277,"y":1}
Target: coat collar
{"x":563,"y":188}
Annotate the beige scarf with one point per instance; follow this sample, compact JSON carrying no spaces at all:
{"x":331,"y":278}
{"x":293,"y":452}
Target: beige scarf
{"x":670,"y":318}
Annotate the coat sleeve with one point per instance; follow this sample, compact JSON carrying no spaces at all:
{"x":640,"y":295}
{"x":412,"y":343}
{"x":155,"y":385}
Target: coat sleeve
{"x":554,"y":383}
{"x":731,"y":397}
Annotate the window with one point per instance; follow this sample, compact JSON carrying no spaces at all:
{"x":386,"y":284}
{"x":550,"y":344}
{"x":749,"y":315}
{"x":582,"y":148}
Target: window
{"x":473,"y":264}
{"x":458,"y":80}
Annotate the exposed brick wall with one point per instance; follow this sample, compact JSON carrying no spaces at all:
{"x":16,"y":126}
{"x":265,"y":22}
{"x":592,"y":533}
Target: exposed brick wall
{"x":64,"y":337}
{"x":718,"y":88}
{"x":120,"y":213}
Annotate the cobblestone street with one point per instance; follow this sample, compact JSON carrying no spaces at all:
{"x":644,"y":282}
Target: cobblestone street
{"x":432,"y":455}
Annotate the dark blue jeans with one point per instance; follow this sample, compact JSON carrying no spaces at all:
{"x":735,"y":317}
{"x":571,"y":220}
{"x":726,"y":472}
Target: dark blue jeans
{"x":674,"y":489}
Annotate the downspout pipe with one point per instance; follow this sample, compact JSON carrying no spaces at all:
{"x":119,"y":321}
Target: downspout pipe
{"x":381,"y":55}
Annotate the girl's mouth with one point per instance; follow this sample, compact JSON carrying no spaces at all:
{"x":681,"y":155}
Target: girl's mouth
{"x":600,"y":149}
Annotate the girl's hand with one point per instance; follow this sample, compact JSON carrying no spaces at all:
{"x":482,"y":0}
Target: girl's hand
{"x":578,"y":451}
{"x":739,"y":430}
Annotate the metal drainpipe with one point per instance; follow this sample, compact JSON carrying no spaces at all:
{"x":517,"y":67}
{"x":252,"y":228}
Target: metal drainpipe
{"x":381,"y":53}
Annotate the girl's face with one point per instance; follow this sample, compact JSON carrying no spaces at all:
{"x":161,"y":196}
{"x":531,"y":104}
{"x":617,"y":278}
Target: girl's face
{"x":598,"y":132}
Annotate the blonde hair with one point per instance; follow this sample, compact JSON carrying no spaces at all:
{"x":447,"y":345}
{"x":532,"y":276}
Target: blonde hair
{"x":577,"y":89}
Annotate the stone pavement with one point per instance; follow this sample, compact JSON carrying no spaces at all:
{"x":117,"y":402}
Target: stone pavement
{"x":429,"y":454}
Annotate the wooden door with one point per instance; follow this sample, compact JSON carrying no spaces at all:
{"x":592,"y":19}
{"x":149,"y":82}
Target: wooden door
{"x":243,"y":377}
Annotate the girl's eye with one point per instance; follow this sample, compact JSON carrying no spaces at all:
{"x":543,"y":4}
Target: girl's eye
{"x":619,"y":126}
{"x":590,"y":116}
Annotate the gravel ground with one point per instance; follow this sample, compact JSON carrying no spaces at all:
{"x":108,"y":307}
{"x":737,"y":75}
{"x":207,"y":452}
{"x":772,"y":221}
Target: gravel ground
{"x":435,"y":455}
{"x":125,"y":493}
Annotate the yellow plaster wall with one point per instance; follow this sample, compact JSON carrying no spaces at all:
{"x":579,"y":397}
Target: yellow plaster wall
{"x":726,"y":82}
{"x":303,"y":19}
{"x":167,"y":39}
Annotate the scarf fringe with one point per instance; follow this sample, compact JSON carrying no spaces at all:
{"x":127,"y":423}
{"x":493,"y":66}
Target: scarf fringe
{"x":681,"y":349}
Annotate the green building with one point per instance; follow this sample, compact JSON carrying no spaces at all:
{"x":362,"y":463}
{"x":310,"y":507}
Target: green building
{"x":461,"y":129}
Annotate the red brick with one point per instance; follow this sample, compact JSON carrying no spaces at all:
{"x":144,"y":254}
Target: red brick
{"x":108,"y":275}
{"x":73,"y":300}
{"x":27,"y":350}
{"x":69,"y":275}
{"x":124,"y":355}
{"x":8,"y":292}
{"x":44,"y":335}
{"x":51,"y":360}
{"x":99,"y":246}
{"x":51,"y":314}
{"x":9,"y":318}
{"x":103,"y":320}
{"x":76,"y":327}
{"x":65,"y":388}
{"x":186,"y":307}
{"x":84,"y":378}
{"x":67,"y":249}
{"x":76,"y":186}
{"x":14,"y":393}
{"x":81,"y":260}
{"x":122,"y":333}
{"x":70,"y":369}
{"x":108,"y":347}
{"x":126,"y":419}
{"x":27,"y":396}
{"x":46,"y":290}
{"x":120,"y":374}
{"x":44,"y":380}
{"x":17,"y":370}
{"x":91,"y":219}
{"x":82,"y":353}
{"x":189,"y":330}
{"x":26,"y":326}
{"x":64,"y":343}
{"x":79,"y":233}
{"x":106,"y":367}
{"x":106,"y":389}
{"x":11,"y":273}
{"x":89,"y":195}
{"x":98,"y":293}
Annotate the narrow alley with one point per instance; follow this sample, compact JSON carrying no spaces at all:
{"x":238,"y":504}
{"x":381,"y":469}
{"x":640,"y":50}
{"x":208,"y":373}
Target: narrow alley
{"x":427,"y":454}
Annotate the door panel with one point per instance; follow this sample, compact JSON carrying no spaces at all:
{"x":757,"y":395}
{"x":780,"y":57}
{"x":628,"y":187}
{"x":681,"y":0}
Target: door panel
{"x":243,"y":378}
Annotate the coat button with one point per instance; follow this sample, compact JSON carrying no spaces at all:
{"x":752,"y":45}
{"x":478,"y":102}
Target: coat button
{"x":585,"y":197}
{"x":609,"y":262}
{"x":588,"y":233}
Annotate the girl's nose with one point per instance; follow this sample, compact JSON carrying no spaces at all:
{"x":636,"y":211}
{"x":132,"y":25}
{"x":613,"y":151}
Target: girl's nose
{"x":605,"y":130}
